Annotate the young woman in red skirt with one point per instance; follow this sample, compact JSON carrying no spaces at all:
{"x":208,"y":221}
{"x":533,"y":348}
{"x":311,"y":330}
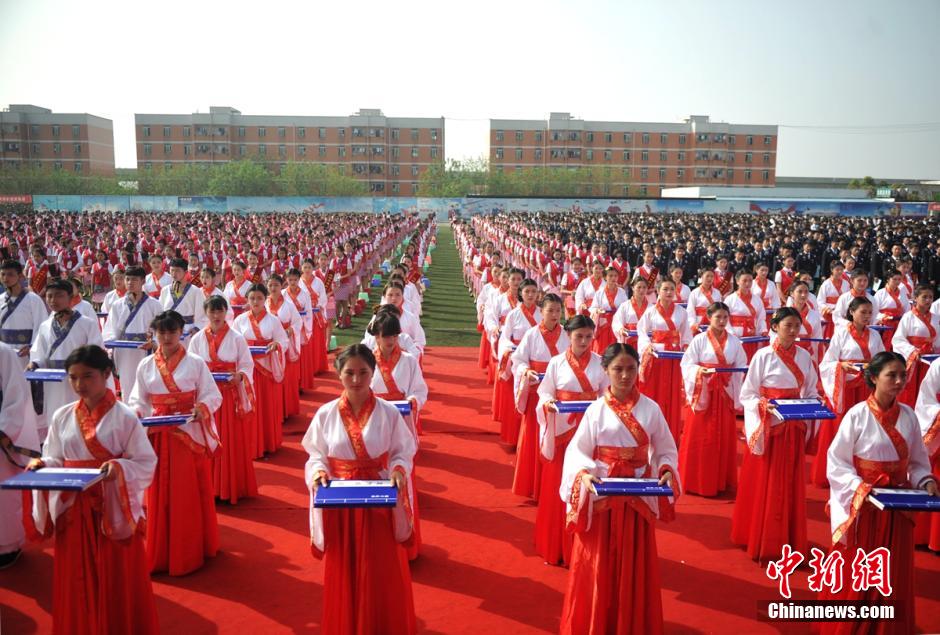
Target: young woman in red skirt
{"x":298,"y":296}
{"x":520,"y":319}
{"x":918,"y":334}
{"x":319,"y":300}
{"x":226,"y":351}
{"x":614,"y":582}
{"x":604,"y":306}
{"x":290,"y":320}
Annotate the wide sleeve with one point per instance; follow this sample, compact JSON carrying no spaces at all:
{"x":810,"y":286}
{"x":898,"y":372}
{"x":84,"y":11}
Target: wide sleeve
{"x":545,"y":415}
{"x":417,"y":387}
{"x":139,"y":399}
{"x":40,"y":346}
{"x":685,"y":333}
{"x":643,"y":328}
{"x":39,"y":313}
{"x":830,"y":373}
{"x":664,"y":457}
{"x":618,"y":321}
{"x":579,"y":459}
{"x":17,"y":418}
{"x":928,"y":408}
{"x":847,"y":492}
{"x":694,"y":381}
{"x":317,"y":448}
{"x":124,"y":495}
{"x":899,"y":342}
{"x":756,"y":417}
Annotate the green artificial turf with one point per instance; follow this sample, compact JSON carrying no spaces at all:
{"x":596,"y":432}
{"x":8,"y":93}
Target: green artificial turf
{"x":449,"y":313}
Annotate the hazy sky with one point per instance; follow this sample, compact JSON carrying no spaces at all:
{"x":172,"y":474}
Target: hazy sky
{"x":846,"y":81}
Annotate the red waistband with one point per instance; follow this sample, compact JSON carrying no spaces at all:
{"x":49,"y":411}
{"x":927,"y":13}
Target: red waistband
{"x":173,"y":403}
{"x":367,"y":469}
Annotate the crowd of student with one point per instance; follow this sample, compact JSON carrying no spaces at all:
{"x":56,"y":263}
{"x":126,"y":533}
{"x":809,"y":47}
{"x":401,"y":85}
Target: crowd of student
{"x":670,"y":368}
{"x":226,"y":331}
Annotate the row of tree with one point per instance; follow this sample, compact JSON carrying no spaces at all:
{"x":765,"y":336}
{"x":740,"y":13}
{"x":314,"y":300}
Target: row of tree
{"x":476,"y":176}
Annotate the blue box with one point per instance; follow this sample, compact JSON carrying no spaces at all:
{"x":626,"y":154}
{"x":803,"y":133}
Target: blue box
{"x":906,"y":499}
{"x":46,"y":374}
{"x":569,"y":407}
{"x":165,"y":420}
{"x":668,"y":354}
{"x":801,"y":409}
{"x":72,"y":479}
{"x":123,"y":344}
{"x":222,"y":377}
{"x":354,"y":493}
{"x":754,"y":339}
{"x":632,"y":487}
{"x":404,"y":407}
{"x":258,"y":351}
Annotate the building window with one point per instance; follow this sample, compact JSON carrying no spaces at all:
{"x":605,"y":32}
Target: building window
{"x":664,"y":138}
{"x":187,"y":149}
{"x":588,"y":155}
{"x":519,"y":136}
{"x":396,"y":133}
{"x":766,"y":141}
{"x":730,"y":174}
{"x":608,"y":155}
{"x":414,"y":188}
{"x":646,"y":138}
{"x":167,"y":148}
{"x":241,"y":131}
{"x":627,"y":137}
{"x":662,"y":174}
{"x":732,"y":139}
{"x":34,"y":148}
{"x":375,"y":169}
{"x":765,"y":175}
{"x":281,"y":132}
{"x":747,"y":157}
{"x":166,"y":131}
{"x":396,"y":152}
{"x":747,"y":175}
{"x":167,"y":165}
{"x":262,"y":131}
{"x":321,"y":151}
{"x":434,"y":152}
{"x":644,"y":173}
{"x":643,"y":190}
{"x":682,"y":156}
{"x":396,"y":170}
{"x":57,"y":165}
{"x":645,"y":155}
{"x":766,"y":157}
{"x":414,"y":170}
{"x":357,"y":132}
{"x":55,"y":131}
{"x":302,"y":151}
{"x":574,"y":136}
{"x":538,"y":136}
{"x":341,"y":133}
{"x":76,"y":131}
{"x":56,"y":148}
{"x":499,"y":153}
{"x":680,"y":173}
{"x":34,"y":130}
{"x":282,"y":150}
{"x":700,"y":173}
{"x":589,"y":137}
{"x":414,"y":134}
{"x":302,"y":132}
{"x":262,"y":149}
{"x":682,"y":139}
{"x":341,"y":151}
{"x":321,"y":133}
{"x":77,"y":148}
{"x":538,"y":154}
{"x":394,"y":188}
{"x":414,"y":152}
{"x":147,"y":149}
{"x":662,"y":157}
{"x":242,"y":150}
{"x":78,"y":166}
{"x":626,"y":155}
{"x":518,"y":154}
{"x":187,"y":131}
{"x":499,"y":135}
{"x":749,"y":140}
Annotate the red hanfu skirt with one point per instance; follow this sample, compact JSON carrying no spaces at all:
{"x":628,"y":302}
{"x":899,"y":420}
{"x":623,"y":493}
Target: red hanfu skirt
{"x":307,"y":366}
{"x":269,"y":413}
{"x":318,"y":340}
{"x":872,"y":529}
{"x":366,"y":579}
{"x":613,"y":584}
{"x":182,"y":530}
{"x":915,"y":377}
{"x":552,"y":540}
{"x":233,"y":473}
{"x":826,"y":432}
{"x":708,"y":454}
{"x":927,"y":525}
{"x":484,"y":351}
{"x":414,"y":543}
{"x":604,"y":337}
{"x":664,"y":386}
{"x":504,"y":411}
{"x":528,"y":471}
{"x":770,"y":509}
{"x":100,"y":586}
{"x":290,"y":388}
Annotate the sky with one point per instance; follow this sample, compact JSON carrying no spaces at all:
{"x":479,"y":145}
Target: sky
{"x":853,"y":85}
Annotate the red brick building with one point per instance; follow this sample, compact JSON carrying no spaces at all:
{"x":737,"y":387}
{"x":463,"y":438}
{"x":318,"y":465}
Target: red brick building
{"x":640,"y":158}
{"x":390,"y":153}
{"x":31,"y":136}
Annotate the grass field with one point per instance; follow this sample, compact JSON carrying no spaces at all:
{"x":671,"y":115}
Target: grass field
{"x":449,"y":315}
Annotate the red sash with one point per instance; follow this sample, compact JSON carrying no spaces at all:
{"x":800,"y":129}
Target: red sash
{"x":529,"y":314}
{"x":763,"y":292}
{"x":749,"y":324}
{"x":611,"y":298}
{"x":354,"y":424}
{"x":651,"y":277}
{"x":550,"y":338}
{"x":386,"y":368}
{"x":786,"y":280}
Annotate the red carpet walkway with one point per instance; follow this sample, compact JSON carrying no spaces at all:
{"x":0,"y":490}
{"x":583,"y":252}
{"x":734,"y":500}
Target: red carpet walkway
{"x":477,"y":573}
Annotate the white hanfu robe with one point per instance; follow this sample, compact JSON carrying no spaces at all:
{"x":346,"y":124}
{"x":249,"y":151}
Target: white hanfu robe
{"x":85,"y":308}
{"x":234,"y":348}
{"x":829,"y":294}
{"x":652,"y":322}
{"x":119,"y":327}
{"x":287,"y":314}
{"x":584,"y":294}
{"x":514,"y":328}
{"x":739,"y":309}
{"x":814,"y":331}
{"x":120,"y":432}
{"x":928,"y":408}
{"x":558,"y":377}
{"x":240,"y":300}
{"x":20,"y":320}
{"x":700,"y":354}
{"x":412,"y":326}
{"x":898,"y":307}
{"x":768,"y":370}
{"x":189,"y":305}
{"x":601,"y":311}
{"x":602,"y":427}
{"x":384,"y":433}
{"x":493,"y":318}
{"x":191,"y":374}
{"x":83,"y":332}
{"x":153,"y":286}
{"x":842,"y":307}
{"x":271,"y":330}
{"x":410,"y":381}
{"x":698,"y":304}
{"x":860,"y":435}
{"x":843,"y":348}
{"x":912,"y":326}
{"x":626,"y":319}
{"x":304,"y":306}
{"x":532,"y":348}
{"x":404,"y":341}
{"x":18,"y":424}
{"x":767,"y":296}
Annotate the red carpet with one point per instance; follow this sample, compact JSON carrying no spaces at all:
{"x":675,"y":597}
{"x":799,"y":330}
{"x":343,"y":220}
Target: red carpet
{"x":478,"y":572}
